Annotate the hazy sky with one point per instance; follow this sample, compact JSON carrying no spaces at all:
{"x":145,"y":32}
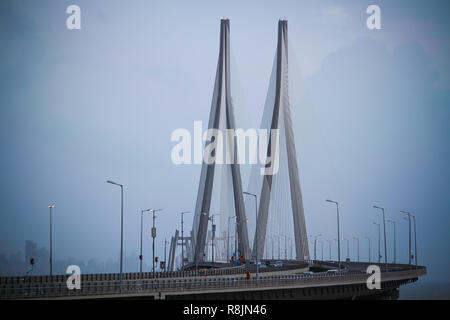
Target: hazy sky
{"x":79,"y":107}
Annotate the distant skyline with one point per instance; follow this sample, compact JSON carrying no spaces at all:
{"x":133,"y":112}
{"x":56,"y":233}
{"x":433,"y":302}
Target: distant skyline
{"x":79,"y":107}
{"x":18,"y":264}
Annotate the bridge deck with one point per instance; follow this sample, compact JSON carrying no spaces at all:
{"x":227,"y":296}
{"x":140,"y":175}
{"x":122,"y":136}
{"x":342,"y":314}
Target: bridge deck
{"x":161,"y":288}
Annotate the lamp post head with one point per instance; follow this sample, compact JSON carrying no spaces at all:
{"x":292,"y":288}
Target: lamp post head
{"x":407,"y":213}
{"x":112,"y":182}
{"x":51,"y":205}
{"x":213,"y":215}
{"x":153,"y":211}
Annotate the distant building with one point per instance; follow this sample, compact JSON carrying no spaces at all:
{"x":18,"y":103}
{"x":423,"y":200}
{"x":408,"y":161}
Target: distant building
{"x":41,"y":258}
{"x":30,"y":251}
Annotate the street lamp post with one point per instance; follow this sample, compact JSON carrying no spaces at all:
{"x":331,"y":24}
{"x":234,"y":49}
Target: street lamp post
{"x":384,"y":227}
{"x":141,"y":257}
{"x":273,"y":248}
{"x":236,"y":241}
{"x":228,"y":237}
{"x":231,"y":247}
{"x":337,"y":241}
{"x":348,"y":247}
{"x":395,"y":242}
{"x":415,"y":241}
{"x":153,"y":239}
{"x":321,"y":246}
{"x":285,"y":245}
{"x":409,"y":223}
{"x":315,"y":244}
{"x":213,"y":237}
{"x":266,"y":247}
{"x":271,"y":238}
{"x":379,"y":241}
{"x":213,"y":230}
{"x":329,"y":246}
{"x":357,"y":239}
{"x":256,"y":230}
{"x":279,"y":246}
{"x":291,"y":249}
{"x":121,"y":228}
{"x":51,"y":206}
{"x":182,"y":238}
{"x":278,"y":242}
{"x":338,"y":235}
{"x":369,"y":248}
{"x":165,"y":254}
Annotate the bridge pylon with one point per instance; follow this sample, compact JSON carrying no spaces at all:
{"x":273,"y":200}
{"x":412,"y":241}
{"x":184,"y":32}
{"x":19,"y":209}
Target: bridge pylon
{"x":280,"y":112}
{"x":221,"y":114}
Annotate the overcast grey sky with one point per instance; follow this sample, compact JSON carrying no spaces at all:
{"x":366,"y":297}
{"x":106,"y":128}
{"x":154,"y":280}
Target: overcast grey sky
{"x":79,"y":107}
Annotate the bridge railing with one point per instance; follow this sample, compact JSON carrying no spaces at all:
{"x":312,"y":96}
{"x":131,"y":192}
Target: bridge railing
{"x":125,"y":276}
{"x":18,"y":280}
{"x":177,"y":274}
{"x":161,"y":285}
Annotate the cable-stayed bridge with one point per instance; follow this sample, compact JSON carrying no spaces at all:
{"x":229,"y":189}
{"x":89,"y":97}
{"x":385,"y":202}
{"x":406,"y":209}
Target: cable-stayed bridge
{"x":279,"y":219}
{"x":279,"y":210}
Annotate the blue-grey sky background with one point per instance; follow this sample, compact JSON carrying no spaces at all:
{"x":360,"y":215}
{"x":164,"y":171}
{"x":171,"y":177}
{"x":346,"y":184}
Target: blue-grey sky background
{"x":79,"y":107}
